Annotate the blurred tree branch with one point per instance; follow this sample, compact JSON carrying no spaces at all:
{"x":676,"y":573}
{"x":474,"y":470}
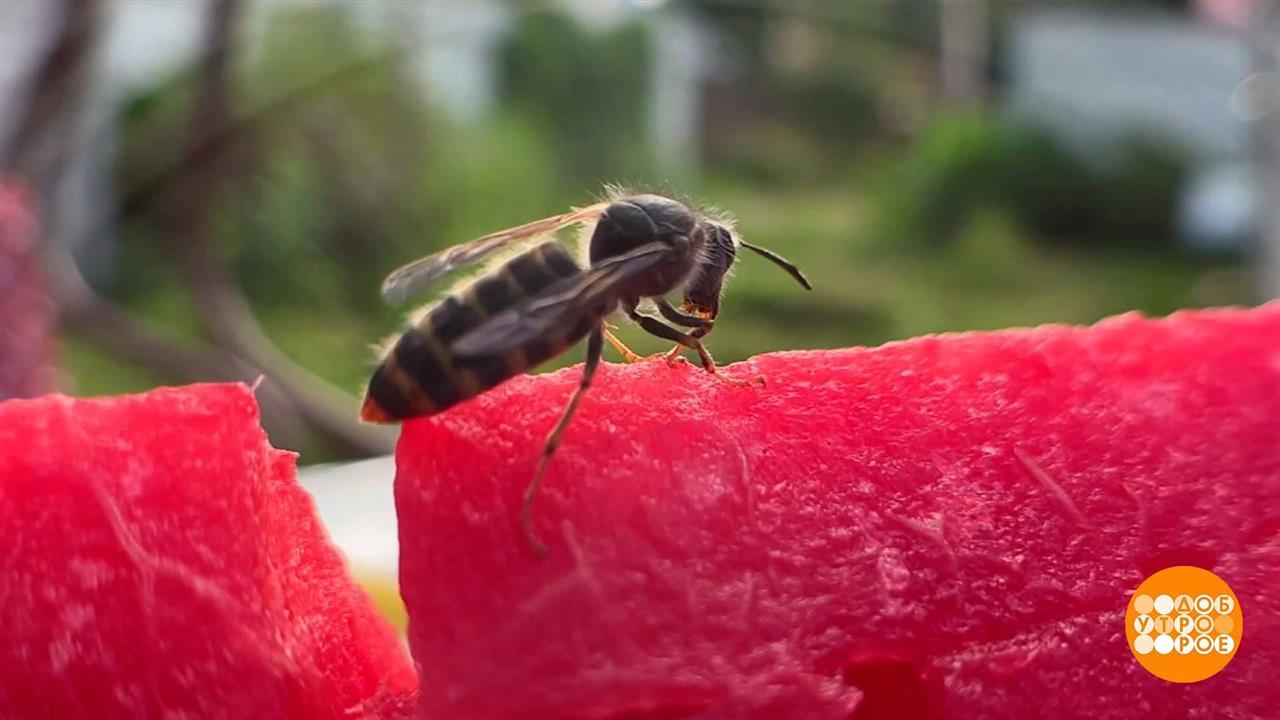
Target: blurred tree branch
{"x":38,"y":145}
{"x":964,"y":34}
{"x":210,"y":154}
{"x":292,"y":398}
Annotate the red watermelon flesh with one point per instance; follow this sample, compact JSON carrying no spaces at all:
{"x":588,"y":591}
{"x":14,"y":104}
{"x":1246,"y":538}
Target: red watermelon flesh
{"x":948,"y":527}
{"x":160,"y":560}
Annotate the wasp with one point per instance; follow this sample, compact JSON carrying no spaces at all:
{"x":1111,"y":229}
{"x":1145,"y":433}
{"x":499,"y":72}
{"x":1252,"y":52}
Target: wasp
{"x":541,"y":302}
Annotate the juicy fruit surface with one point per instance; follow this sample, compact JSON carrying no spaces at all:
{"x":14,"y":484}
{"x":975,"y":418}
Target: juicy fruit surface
{"x":946,"y":527}
{"x":160,"y":560}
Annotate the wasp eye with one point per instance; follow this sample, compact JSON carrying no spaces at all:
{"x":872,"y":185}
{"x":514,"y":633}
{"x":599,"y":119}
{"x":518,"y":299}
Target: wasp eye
{"x":723,"y":240}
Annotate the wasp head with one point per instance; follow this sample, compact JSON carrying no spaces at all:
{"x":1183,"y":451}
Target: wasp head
{"x":702,"y":295}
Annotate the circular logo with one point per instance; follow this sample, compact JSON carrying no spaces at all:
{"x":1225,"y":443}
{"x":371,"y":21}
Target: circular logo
{"x":1183,"y":624}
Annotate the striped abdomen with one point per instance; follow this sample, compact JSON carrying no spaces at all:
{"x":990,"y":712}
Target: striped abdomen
{"x":422,"y":376}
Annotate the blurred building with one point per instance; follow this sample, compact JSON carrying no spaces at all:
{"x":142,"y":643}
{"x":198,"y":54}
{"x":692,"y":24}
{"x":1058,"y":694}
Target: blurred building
{"x":1095,"y":76}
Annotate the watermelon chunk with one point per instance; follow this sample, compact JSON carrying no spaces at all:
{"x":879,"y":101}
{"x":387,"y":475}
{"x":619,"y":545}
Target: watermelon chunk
{"x":160,"y":561}
{"x":948,"y":527}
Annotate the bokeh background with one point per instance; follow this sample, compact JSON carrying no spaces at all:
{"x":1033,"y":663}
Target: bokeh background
{"x":213,"y":189}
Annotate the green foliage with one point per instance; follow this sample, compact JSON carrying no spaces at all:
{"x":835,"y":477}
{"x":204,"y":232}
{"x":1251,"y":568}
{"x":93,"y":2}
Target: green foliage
{"x":151,"y":126}
{"x":324,"y":209}
{"x":777,"y":156}
{"x":587,"y":92}
{"x":991,"y":248}
{"x":825,"y":80}
{"x":1140,"y":187}
{"x":965,"y":164}
{"x":490,"y":176}
{"x":839,"y":103}
{"x":346,"y":171}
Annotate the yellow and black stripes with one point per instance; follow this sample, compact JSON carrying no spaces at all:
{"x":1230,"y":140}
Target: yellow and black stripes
{"x":422,"y":376}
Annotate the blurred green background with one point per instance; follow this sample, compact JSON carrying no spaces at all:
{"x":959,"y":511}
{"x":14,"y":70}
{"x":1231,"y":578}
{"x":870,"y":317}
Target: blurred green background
{"x":897,"y":151}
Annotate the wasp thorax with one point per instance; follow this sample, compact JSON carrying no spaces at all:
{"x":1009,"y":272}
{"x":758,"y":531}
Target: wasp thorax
{"x":630,"y":222}
{"x":668,"y":216}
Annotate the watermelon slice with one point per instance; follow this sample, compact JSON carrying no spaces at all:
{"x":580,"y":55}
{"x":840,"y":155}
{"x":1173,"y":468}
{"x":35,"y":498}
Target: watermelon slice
{"x":160,"y":561}
{"x":948,"y":527}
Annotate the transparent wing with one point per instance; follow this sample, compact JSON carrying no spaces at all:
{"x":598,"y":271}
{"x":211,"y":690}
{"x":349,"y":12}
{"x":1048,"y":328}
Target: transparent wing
{"x":413,"y":278}
{"x":560,"y":305}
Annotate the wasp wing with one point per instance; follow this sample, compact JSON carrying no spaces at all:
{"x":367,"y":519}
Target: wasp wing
{"x":559,"y":306}
{"x":413,"y":278}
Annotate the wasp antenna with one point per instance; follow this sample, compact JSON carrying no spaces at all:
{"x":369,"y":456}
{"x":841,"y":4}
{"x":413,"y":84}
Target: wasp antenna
{"x":780,"y":261}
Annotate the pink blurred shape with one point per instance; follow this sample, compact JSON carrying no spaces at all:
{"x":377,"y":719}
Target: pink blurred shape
{"x":28,"y":318}
{"x":1235,"y":14}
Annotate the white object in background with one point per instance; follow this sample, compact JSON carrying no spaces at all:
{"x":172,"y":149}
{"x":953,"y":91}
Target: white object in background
{"x":1219,"y":208}
{"x":357,"y":506}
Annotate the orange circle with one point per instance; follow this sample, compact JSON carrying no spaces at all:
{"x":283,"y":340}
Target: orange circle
{"x":1183,"y":664}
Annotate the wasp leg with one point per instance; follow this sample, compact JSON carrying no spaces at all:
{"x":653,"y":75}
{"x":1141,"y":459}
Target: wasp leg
{"x":621,"y":347}
{"x":700,"y":323}
{"x":674,"y":352}
{"x":595,"y":348}
{"x":700,"y":329}
{"x":629,"y":355}
{"x":691,"y":341}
